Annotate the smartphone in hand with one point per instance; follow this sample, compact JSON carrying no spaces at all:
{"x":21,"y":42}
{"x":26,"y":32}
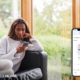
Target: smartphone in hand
{"x":25,"y":43}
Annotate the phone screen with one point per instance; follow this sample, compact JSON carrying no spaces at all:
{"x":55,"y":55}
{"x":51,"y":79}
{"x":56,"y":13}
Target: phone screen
{"x":75,"y":37}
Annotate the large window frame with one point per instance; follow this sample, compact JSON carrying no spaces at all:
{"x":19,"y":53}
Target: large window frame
{"x":27,"y":13}
{"x":75,"y":13}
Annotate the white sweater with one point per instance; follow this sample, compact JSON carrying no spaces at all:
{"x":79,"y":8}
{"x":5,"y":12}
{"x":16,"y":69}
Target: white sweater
{"x":8,"y":50}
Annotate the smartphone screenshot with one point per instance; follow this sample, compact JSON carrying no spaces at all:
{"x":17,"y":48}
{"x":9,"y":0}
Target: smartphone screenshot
{"x":75,"y":36}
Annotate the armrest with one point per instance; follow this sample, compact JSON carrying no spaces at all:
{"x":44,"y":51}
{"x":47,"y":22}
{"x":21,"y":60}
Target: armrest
{"x":35,"y":59}
{"x":43,"y":66}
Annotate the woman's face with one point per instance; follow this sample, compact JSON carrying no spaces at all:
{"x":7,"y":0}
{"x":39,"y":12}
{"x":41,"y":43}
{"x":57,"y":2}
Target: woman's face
{"x":20,"y":30}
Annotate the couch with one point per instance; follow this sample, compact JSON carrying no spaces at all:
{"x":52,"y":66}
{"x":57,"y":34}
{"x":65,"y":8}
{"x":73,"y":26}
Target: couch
{"x":32,"y":60}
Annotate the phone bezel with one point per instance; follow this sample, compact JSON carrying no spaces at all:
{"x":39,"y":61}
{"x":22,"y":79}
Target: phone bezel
{"x":72,"y":52}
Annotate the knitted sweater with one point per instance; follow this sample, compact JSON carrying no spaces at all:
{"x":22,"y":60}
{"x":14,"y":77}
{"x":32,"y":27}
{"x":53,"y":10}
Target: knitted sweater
{"x":8,"y":50}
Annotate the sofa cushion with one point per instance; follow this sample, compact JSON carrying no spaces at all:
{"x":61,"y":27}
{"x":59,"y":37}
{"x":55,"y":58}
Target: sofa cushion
{"x":30,"y":61}
{"x":33,"y":74}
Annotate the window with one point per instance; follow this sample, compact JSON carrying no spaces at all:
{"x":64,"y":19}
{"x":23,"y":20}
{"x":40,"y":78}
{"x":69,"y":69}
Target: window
{"x":9,"y":10}
{"x":52,"y":27}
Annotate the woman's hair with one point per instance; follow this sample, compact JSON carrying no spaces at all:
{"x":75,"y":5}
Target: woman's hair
{"x":12,"y":34}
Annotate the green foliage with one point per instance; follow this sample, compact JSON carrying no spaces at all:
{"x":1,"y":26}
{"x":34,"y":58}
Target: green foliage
{"x":3,"y":32}
{"x":54,"y":34}
{"x":53,"y":45}
{"x":6,"y":15}
{"x":65,"y":53}
{"x":51,"y":21}
{"x":5,"y":10}
{"x":58,"y":50}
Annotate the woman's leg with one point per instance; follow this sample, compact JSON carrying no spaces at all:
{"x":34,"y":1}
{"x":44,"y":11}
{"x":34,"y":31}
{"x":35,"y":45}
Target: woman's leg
{"x":7,"y":72}
{"x":6,"y":67}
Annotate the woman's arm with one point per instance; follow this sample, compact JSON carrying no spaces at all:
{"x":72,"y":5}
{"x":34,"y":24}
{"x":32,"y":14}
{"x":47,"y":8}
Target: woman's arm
{"x":3,"y":50}
{"x":35,"y":46}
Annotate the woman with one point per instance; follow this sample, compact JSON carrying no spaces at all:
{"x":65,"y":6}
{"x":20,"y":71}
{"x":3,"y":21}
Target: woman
{"x":12,"y":50}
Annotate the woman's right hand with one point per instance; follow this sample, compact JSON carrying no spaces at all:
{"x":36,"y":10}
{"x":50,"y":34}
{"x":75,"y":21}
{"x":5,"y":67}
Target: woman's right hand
{"x":21,"y":48}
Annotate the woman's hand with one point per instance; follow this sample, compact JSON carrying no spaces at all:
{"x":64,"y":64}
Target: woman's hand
{"x":26,"y":35}
{"x":21,"y":48}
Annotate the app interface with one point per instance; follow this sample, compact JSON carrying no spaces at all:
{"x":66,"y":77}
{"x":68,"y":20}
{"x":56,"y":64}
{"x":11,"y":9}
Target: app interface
{"x":76,"y":52}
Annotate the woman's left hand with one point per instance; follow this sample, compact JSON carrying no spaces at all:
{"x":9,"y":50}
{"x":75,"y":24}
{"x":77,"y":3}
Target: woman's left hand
{"x":26,"y":35}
